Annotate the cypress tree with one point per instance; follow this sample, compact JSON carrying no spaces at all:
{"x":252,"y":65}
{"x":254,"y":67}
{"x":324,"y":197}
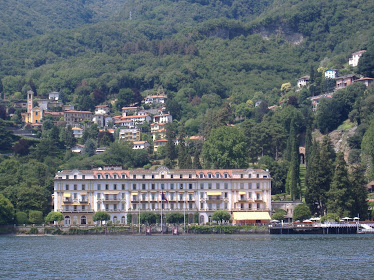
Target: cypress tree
{"x":359,"y":192}
{"x":184,"y":159}
{"x":293,"y":176}
{"x":340,"y":196}
{"x":170,"y":147}
{"x":312,"y":180}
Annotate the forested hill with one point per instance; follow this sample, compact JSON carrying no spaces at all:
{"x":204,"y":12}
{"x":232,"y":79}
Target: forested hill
{"x":21,"y":19}
{"x":190,"y":47}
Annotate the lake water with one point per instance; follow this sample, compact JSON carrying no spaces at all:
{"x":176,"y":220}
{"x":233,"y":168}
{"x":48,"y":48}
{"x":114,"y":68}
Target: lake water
{"x":188,"y":257}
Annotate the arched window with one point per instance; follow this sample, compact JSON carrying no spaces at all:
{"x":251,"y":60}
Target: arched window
{"x":218,"y":175}
{"x":226,"y":175}
{"x":210,"y":175}
{"x":201,"y":219}
{"x":67,"y":221}
{"x":83,"y":220}
{"x":123,"y":220}
{"x":201,"y":175}
{"x":114,"y":219}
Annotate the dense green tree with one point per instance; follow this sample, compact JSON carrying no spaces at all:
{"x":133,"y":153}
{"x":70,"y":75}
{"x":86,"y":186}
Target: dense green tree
{"x":54,"y":217}
{"x":279,"y":214}
{"x":221,"y":216}
{"x":293,"y":175}
{"x":301,"y":212}
{"x":184,"y":159}
{"x":367,"y":147}
{"x":225,"y":148}
{"x":35,"y":217}
{"x":21,"y":148}
{"x":6,"y":211}
{"x":148,"y":218}
{"x":6,"y":137}
{"x":175,"y":218}
{"x":359,"y":191}
{"x":171,"y":152}
{"x":21,"y":218}
{"x":33,"y":198}
{"x":340,"y":199}
{"x":101,"y":216}
{"x":366,"y":62}
{"x":89,"y":147}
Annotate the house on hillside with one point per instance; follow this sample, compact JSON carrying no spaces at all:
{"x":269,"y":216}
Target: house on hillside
{"x":75,"y":117}
{"x":159,"y":143}
{"x":366,"y":81}
{"x":77,"y":132}
{"x":303,"y":81}
{"x":54,"y":95}
{"x":129,"y":134}
{"x":126,"y":111}
{"x":132,"y":121}
{"x":155,"y":99}
{"x":353,"y":61}
{"x":140,"y":145}
{"x":316,"y":99}
{"x":331,"y":73}
{"x":101,"y":117}
{"x":344,"y":81}
{"x":164,"y":118}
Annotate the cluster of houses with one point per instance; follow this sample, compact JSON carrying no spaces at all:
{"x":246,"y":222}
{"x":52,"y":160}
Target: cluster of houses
{"x":128,"y":123}
{"x":340,"y":81}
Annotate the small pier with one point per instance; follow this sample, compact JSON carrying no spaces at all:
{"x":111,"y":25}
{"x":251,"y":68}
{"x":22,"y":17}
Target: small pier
{"x":315,"y":228}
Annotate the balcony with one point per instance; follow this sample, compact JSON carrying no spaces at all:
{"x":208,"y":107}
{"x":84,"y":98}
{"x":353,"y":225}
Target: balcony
{"x":214,"y":199}
{"x":111,"y":200}
{"x":83,"y":201}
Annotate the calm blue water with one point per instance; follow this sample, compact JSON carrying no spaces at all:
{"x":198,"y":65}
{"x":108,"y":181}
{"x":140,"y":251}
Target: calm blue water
{"x":188,"y":257}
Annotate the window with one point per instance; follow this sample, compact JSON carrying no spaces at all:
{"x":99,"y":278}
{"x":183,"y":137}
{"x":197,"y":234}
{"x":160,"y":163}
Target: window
{"x":218,"y":175}
{"x":153,"y":176}
{"x":123,"y":195}
{"x":143,"y":206}
{"x":201,"y":175}
{"x":172,"y":186}
{"x":153,"y":206}
{"x":153,"y":186}
{"x":190,"y":197}
{"x":181,"y":176}
{"x":83,"y":220}
{"x":257,"y":185}
{"x":249,"y":185}
{"x":190,"y":205}
{"x":143,"y":186}
{"x":75,"y":187}
{"x":190,"y":186}
{"x":226,"y":186}
{"x":225,"y":194}
{"x":107,"y":197}
{"x":98,"y":206}
{"x":114,"y":206}
{"x":67,"y":176}
{"x":106,"y":186}
{"x":134,"y":186}
{"x":242,"y":176}
{"x":162,"y":186}
{"x":209,"y":186}
{"x":83,"y":187}
{"x":115,"y":176}
{"x":257,"y":175}
{"x":225,"y":205}
{"x":123,"y":176}
{"x":75,"y":207}
{"x":190,"y":176}
{"x":83,"y":177}
{"x":123,"y":186}
{"x":241,"y":186}
{"x":153,"y":198}
{"x":114,"y":186}
{"x":172,"y":206}
{"x":201,"y":205}
{"x":98,"y":187}
{"x":218,"y":186}
{"x":181,"y":197}
{"x":122,"y":207}
{"x":98,"y":176}
{"x":143,"y":196}
{"x":226,"y":175}
{"x":98,"y":195}
{"x":106,"y":176}
{"x":181,"y":186}
{"x":210,"y":206}
{"x":201,"y":195}
{"x":258,"y":196}
{"x":171,"y":176}
{"x":75,"y":176}
{"x":249,"y":175}
{"x":143,"y":176}
{"x":75,"y":195}
{"x":134,"y":176}
{"x":162,"y":176}
{"x":201,"y":186}
{"x":218,"y":206}
{"x":210,"y":175}
{"x":66,"y":187}
{"x":172,"y":196}
{"x":83,"y":207}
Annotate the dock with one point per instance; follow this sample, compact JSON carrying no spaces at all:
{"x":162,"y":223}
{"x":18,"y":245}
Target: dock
{"x":315,"y":228}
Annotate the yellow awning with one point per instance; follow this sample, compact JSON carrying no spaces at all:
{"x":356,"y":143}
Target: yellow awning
{"x":134,"y":193}
{"x":111,"y":192}
{"x":214,"y":193}
{"x":67,"y":194}
{"x":83,"y":193}
{"x":242,"y":193}
{"x":240,"y":216}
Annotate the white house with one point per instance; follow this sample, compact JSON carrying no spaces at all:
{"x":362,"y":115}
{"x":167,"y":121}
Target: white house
{"x":136,"y":145}
{"x":54,"y":95}
{"x":331,"y":73}
{"x":155,"y":99}
{"x":165,"y":118}
{"x":353,"y":61}
{"x":303,"y":81}
{"x":77,"y":132}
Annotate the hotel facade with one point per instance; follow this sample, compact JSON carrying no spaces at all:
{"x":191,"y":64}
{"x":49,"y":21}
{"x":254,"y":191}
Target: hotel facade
{"x":245,"y":193}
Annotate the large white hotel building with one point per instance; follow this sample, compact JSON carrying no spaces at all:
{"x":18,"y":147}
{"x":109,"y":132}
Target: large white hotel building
{"x":245,"y":193}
